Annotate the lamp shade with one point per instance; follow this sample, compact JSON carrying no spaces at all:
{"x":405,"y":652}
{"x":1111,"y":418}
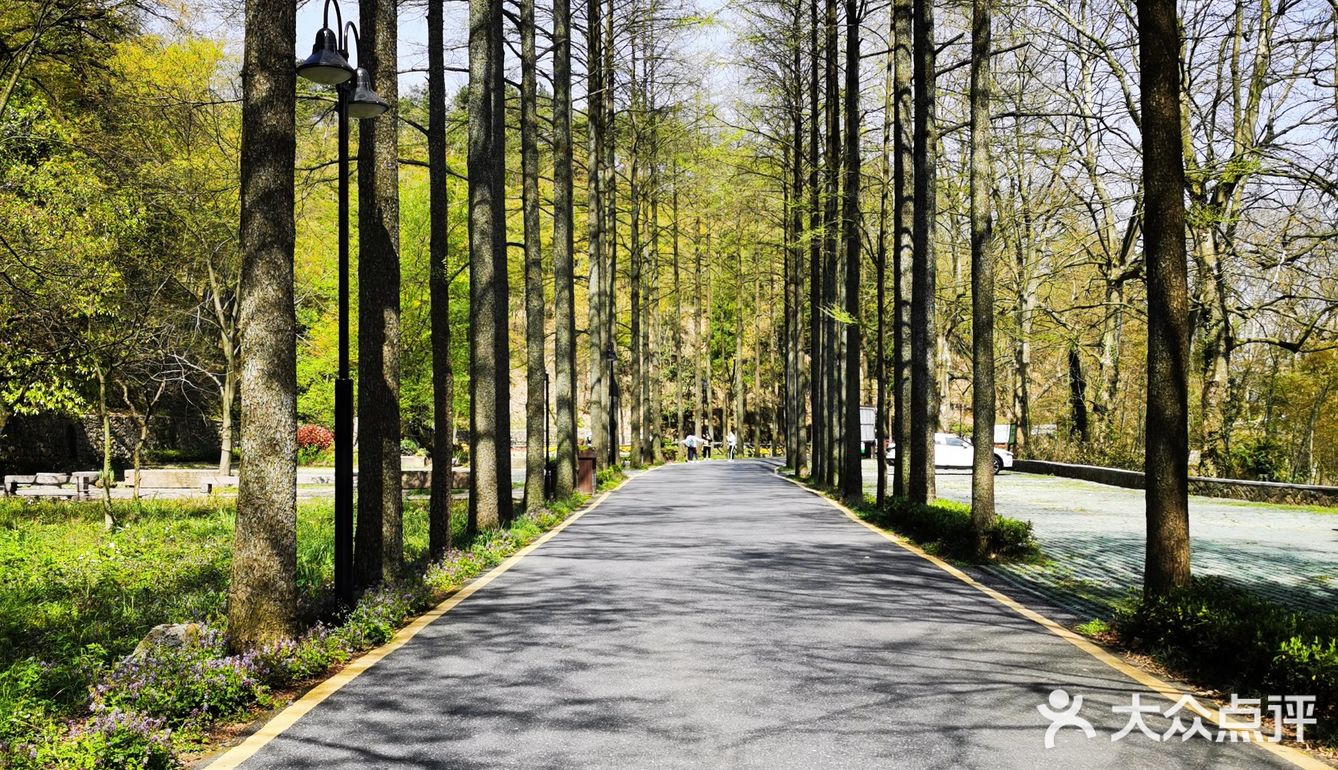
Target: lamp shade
{"x":325,"y":65}
{"x":364,"y":103}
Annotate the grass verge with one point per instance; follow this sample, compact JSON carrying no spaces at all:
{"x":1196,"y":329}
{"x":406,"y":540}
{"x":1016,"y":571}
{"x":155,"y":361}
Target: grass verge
{"x":74,"y":601}
{"x":943,"y":528}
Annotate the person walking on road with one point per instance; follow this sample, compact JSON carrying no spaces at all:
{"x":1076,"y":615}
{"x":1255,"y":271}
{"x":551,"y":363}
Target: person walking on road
{"x":731,"y":445}
{"x":705,"y":442}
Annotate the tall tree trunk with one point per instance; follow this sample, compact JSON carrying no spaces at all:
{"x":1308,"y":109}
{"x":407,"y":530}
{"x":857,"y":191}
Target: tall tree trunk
{"x":637,"y":327}
{"x":651,"y":342}
{"x":1108,"y":391}
{"x":739,"y":416}
{"x":536,"y":405}
{"x":759,"y":400}
{"x":378,"y":553}
{"x":227,"y":395}
{"x":610,"y":199}
{"x":707,"y":364}
{"x":817,"y":346}
{"x":852,"y":479}
{"x":982,"y":281}
{"x":880,"y":265}
{"x":1303,"y":464}
{"x":1024,"y":313}
{"x":1080,"y":429}
{"x":832,"y":268}
{"x":501,"y":344}
{"x":490,"y":456}
{"x":639,"y":391}
{"x":107,"y":477}
{"x":595,"y":221}
{"x":564,"y":269}
{"x":262,"y":590}
{"x":794,"y":406}
{"x":439,"y":286}
{"x":1166,"y":470}
{"x":679,"y":422}
{"x":225,"y":315}
{"x":1213,"y":428}
{"x":924,"y":393}
{"x":902,"y":204}
{"x":699,"y":371}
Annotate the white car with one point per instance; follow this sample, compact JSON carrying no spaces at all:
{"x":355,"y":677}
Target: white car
{"x":956,"y":452}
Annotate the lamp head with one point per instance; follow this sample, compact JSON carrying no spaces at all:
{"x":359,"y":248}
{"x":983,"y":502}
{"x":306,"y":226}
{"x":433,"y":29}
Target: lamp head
{"x":363,"y":102}
{"x":326,"y":65}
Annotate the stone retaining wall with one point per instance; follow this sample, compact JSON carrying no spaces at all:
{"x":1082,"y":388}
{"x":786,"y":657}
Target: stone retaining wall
{"x":1256,"y":491}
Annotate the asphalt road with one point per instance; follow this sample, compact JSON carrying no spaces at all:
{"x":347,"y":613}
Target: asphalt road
{"x":713,"y":615}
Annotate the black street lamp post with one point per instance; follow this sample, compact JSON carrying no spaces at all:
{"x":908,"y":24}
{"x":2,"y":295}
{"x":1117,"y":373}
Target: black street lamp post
{"x":328,"y":65}
{"x":549,"y":480}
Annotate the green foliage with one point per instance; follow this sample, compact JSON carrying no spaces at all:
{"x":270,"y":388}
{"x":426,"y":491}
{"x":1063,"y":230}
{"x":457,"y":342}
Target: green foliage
{"x":1093,"y":627}
{"x":566,"y":506}
{"x":1262,"y":458}
{"x":609,"y":478}
{"x":115,"y":741}
{"x":944,"y":527}
{"x":1225,"y":637}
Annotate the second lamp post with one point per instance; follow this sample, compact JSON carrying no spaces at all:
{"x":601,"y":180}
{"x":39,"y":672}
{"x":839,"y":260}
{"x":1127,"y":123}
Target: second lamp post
{"x":328,"y":64}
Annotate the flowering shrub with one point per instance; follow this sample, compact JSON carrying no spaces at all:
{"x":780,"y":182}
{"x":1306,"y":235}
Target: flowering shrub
{"x":114,"y":739}
{"x":183,"y":684}
{"x":314,"y":437}
{"x":312,"y":442}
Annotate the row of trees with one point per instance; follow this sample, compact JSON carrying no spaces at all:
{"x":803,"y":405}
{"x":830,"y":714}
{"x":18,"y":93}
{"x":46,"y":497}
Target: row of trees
{"x":1076,"y":147}
{"x":1067,"y":207}
{"x":643,"y":153}
{"x":1069,"y":296}
{"x":835,"y":345}
{"x":840,"y":231}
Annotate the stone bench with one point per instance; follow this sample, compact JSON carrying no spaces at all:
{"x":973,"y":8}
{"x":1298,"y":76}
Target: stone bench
{"x":12,"y":483}
{"x":208,"y":485}
{"x":43,"y":490}
{"x":37,"y":485}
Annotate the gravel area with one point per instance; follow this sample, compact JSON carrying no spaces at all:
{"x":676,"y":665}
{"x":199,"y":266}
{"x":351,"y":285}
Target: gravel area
{"x":1094,"y":536}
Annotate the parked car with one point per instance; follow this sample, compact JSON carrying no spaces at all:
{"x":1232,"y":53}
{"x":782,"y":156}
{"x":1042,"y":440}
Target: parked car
{"x":956,"y":452}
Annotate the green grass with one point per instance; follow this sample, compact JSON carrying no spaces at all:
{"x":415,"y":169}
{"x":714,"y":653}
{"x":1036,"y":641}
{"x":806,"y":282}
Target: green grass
{"x":76,"y":598}
{"x":1094,"y":627}
{"x":1269,"y":507}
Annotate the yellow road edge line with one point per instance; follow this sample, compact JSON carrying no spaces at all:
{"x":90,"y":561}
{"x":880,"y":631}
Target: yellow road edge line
{"x":294,"y":711}
{"x":1164,"y":688}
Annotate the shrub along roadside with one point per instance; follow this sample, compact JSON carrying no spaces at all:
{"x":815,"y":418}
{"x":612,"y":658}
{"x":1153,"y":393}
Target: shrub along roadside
{"x":943,"y":528}
{"x":1222,"y":636}
{"x":143,"y":712}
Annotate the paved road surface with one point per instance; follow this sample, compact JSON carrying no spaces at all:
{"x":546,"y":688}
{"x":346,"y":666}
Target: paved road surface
{"x":712,"y":615}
